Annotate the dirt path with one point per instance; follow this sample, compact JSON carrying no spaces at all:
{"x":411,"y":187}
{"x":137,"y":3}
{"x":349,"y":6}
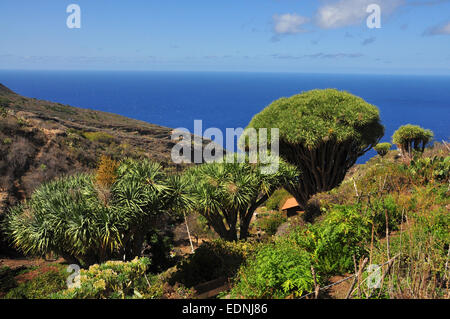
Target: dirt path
{"x":339,"y":291}
{"x":50,"y":135}
{"x":28,"y":262}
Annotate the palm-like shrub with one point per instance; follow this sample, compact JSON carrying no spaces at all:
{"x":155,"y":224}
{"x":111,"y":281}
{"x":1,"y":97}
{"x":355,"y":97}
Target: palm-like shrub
{"x":410,"y":138}
{"x":227,"y":194}
{"x":322,"y":133}
{"x":382,"y":148}
{"x":88,"y":224}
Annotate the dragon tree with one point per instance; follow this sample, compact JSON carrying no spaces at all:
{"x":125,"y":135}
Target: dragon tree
{"x":411,"y":138}
{"x":322,"y":133}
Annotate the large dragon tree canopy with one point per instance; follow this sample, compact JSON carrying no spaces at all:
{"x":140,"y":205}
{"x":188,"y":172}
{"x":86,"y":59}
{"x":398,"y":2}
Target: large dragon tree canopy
{"x":317,"y":116}
{"x":322,"y":132}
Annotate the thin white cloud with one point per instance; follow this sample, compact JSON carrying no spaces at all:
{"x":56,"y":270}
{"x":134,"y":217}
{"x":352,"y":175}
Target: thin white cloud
{"x":319,"y":55}
{"x":289,"y":23}
{"x":439,"y":30}
{"x":368,"y":41}
{"x":342,"y":13}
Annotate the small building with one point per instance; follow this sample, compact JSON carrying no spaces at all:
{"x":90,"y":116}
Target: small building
{"x":291,"y":207}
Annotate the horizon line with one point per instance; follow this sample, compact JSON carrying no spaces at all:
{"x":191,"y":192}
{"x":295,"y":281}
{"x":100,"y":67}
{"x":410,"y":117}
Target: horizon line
{"x":229,"y":71}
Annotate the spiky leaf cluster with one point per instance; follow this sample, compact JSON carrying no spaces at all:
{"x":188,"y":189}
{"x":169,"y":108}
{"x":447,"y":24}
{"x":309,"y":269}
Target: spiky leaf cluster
{"x":86,"y":223}
{"x":382,"y":148}
{"x":227,"y":194}
{"x":412,"y":137}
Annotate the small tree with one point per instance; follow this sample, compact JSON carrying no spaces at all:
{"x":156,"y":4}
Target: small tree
{"x":382,"y":148}
{"x":322,"y":133}
{"x":411,"y":138}
{"x":227,"y":194}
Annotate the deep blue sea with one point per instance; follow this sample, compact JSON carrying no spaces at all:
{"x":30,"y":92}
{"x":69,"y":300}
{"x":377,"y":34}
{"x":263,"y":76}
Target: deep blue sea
{"x":229,"y":100}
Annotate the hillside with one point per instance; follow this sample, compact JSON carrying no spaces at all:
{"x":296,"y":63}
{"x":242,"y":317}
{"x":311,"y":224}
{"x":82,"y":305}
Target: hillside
{"x":382,"y":232}
{"x":40,"y":140}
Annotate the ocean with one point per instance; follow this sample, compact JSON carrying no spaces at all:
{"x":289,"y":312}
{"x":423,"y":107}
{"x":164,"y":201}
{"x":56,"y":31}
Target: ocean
{"x":229,"y":100}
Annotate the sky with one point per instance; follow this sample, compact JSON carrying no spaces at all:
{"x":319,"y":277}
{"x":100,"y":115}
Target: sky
{"x":308,"y":36}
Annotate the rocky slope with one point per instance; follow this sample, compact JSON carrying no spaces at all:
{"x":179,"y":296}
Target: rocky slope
{"x":40,"y":140}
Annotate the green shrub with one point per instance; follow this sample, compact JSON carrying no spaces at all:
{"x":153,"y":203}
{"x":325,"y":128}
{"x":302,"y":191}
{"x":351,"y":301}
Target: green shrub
{"x":100,"y":137}
{"x":427,"y":169}
{"x":160,"y":245}
{"x":333,"y":242}
{"x":42,"y":286}
{"x":4,"y":102}
{"x":380,"y":207}
{"x":382,"y":148}
{"x":66,"y":109}
{"x":7,"y":280}
{"x":277,"y":270}
{"x":199,"y":228}
{"x":22,"y":122}
{"x":271,"y":223}
{"x":123,"y":280}
{"x":422,"y":248}
{"x":343,"y":235}
{"x":212,"y":260}
{"x":113,"y":280}
{"x":277,"y":199}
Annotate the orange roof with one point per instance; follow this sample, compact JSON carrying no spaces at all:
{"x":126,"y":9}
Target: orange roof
{"x":290,"y":203}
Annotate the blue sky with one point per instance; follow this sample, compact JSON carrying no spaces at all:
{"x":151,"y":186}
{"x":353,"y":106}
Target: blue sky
{"x":323,"y":36}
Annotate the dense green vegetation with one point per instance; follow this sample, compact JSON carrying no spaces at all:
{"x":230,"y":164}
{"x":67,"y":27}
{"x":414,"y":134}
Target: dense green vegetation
{"x":40,"y":287}
{"x":119,"y":280}
{"x":212,"y":260}
{"x":227,"y":194}
{"x":322,"y":133}
{"x":119,"y":222}
{"x":382,"y":148}
{"x":275,"y":271}
{"x":269,"y":222}
{"x":88,"y":223}
{"x":406,"y":217}
{"x":277,"y":199}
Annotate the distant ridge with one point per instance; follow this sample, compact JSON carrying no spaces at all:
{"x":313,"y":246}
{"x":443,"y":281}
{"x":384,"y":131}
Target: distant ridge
{"x":5,"y":90}
{"x":42,"y":140}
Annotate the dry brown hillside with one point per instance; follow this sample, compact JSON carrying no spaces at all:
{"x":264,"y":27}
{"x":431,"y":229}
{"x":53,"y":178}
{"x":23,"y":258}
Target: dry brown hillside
{"x":40,"y":140}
